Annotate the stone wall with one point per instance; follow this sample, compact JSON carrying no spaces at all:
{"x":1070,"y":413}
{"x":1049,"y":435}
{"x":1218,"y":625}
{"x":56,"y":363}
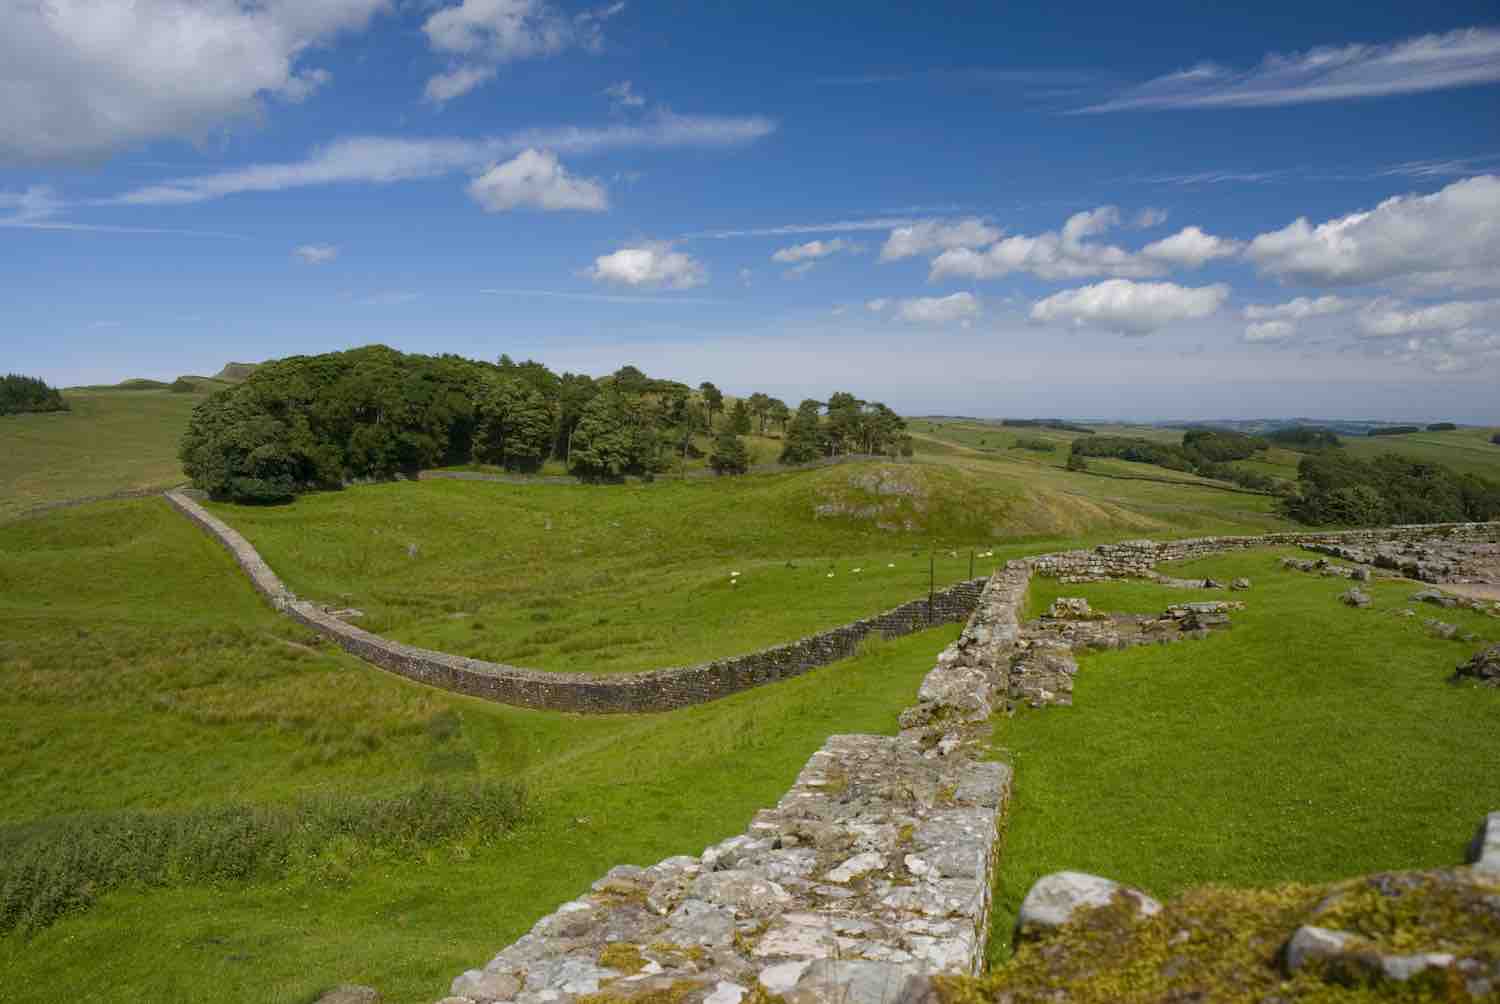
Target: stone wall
{"x":1138,"y":558}
{"x":656,"y":690}
{"x":870,"y":876}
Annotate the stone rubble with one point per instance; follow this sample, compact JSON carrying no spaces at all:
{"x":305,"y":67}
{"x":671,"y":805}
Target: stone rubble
{"x":1326,"y":568}
{"x":1426,"y":559}
{"x":1355,"y":597}
{"x":1484,"y":849}
{"x":1484,"y":667}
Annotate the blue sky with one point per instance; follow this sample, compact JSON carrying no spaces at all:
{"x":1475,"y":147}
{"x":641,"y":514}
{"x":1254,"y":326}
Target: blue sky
{"x":1138,"y":212}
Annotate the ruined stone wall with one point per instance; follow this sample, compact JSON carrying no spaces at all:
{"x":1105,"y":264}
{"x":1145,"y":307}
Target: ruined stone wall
{"x":1138,"y":558}
{"x":656,"y":690}
{"x":871,"y":875}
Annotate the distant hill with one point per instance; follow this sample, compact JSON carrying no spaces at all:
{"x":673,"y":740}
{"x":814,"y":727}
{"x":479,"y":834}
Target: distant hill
{"x":236,"y":372}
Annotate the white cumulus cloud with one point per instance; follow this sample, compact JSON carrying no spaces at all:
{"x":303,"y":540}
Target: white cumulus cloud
{"x":1298,"y":309}
{"x":81,"y":79}
{"x":812,"y":250}
{"x":1452,"y":236}
{"x":535,"y":179}
{"x":1385,"y":318}
{"x":1135,"y":308}
{"x":1190,"y":247}
{"x":960,"y":308}
{"x":1065,"y":254}
{"x":936,"y":235}
{"x":315,"y":254}
{"x":1460,"y":58}
{"x":878,"y":304}
{"x":482,"y":35}
{"x":653,"y":264}
{"x":1269,"y":331}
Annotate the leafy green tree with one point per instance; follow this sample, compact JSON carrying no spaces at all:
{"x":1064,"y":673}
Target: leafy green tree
{"x":730,"y":456}
{"x":713,"y":401}
{"x":514,"y":424}
{"x":739,"y":418}
{"x":605,"y":444}
{"x":574,"y":391}
{"x":779,"y":413}
{"x":1076,"y":462}
{"x":760,"y":407}
{"x":804,"y":438}
{"x":845,"y":423}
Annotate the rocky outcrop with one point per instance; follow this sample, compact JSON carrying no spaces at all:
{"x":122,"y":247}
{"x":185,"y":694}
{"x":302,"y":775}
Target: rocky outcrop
{"x":1355,"y":597}
{"x":1484,"y":849}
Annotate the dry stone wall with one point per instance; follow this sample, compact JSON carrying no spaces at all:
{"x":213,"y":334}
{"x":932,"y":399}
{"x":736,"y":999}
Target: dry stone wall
{"x":1139,"y":558}
{"x":656,"y":690}
{"x":870,"y":876}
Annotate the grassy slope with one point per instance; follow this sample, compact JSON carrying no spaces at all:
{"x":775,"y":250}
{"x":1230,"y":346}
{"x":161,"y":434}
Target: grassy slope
{"x":110,"y":441}
{"x":623,"y":578}
{"x":1312,"y":741}
{"x":139,"y":670}
{"x":1466,"y":450}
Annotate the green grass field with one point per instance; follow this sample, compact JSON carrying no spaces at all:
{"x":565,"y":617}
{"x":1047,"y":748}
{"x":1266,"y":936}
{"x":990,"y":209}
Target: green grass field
{"x":111,"y":440}
{"x":1466,"y":450}
{"x":141,"y":672}
{"x":624,"y":578}
{"x":1311,"y":741}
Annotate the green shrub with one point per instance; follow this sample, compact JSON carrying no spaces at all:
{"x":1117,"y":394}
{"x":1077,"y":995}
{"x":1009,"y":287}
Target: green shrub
{"x":61,"y":865}
{"x":1034,"y":444}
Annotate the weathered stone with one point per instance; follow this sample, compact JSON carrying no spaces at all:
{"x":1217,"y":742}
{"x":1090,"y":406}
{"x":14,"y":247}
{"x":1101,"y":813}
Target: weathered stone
{"x":1440,"y":629}
{"x":482,"y":986}
{"x":742,"y":891}
{"x":1355,"y":597}
{"x":858,"y":981}
{"x":780,"y":978}
{"x":1484,"y":849}
{"x":698,"y":923}
{"x":1055,"y":899}
{"x":1314,"y":944}
{"x":1434,"y":597}
{"x":1071,"y":608}
{"x":1240,"y":584}
{"x":726,"y":993}
{"x":351,"y":993}
{"x":1484,"y":667}
{"x":856,"y":866}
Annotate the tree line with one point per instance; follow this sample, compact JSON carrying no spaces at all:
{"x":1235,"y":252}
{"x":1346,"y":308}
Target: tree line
{"x":1336,"y":489}
{"x":24,"y":394}
{"x":312,"y":422}
{"x":1207,"y":452}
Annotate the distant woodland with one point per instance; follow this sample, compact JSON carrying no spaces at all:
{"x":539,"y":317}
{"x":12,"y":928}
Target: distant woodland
{"x":22,"y":394}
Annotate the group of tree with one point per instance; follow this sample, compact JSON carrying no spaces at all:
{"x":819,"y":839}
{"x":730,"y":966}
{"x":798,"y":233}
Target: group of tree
{"x":310,"y":422}
{"x":1047,"y":423}
{"x":1339,"y":490}
{"x":1207,"y":452}
{"x":23,"y":394}
{"x":1394,"y":430}
{"x":1304,"y":437}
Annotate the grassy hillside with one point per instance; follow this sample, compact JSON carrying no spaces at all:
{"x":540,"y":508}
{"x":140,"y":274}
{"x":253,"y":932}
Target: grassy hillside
{"x":1467,"y":450}
{"x":1312,"y":741}
{"x":139,"y":671}
{"x":111,"y":440}
{"x":623,"y":578}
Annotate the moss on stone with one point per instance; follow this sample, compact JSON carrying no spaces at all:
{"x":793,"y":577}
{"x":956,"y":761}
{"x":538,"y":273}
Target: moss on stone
{"x":1225,"y":945}
{"x":667,"y":993}
{"x":623,"y":956}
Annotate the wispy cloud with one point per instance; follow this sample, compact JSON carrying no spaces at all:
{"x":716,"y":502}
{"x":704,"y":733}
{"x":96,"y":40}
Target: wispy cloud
{"x":390,"y":298}
{"x":1462,"y":58}
{"x":315,"y":254}
{"x":387,"y":159}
